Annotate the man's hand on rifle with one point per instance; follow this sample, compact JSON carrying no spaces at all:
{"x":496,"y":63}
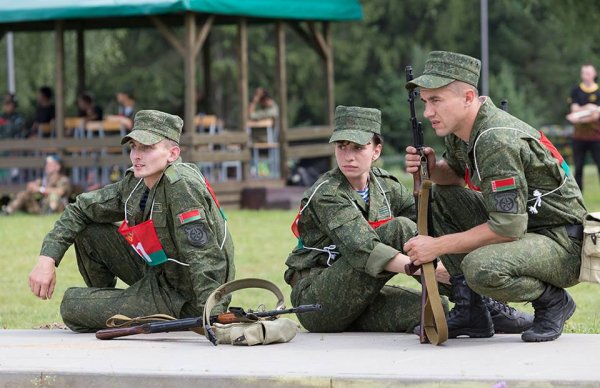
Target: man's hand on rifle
{"x":412,"y":159}
{"x":422,"y":249}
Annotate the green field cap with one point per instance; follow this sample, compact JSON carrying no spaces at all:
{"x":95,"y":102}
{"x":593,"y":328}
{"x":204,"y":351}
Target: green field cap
{"x":444,"y":67}
{"x":152,"y":126}
{"x":356,"y":124}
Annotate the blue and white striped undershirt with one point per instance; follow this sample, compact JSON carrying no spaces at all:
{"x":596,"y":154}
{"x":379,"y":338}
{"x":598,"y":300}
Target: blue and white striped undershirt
{"x":364,"y":193}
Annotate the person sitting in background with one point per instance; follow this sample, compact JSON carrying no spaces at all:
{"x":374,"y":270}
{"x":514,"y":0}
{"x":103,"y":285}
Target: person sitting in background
{"x":44,"y":111}
{"x":126,"y":110}
{"x":88,"y":108}
{"x":12,"y":123}
{"x":47,"y":195}
{"x":262,"y":106}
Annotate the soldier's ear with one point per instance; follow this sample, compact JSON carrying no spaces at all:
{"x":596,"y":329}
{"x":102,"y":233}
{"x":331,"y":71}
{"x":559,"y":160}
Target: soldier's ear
{"x":174,"y":153}
{"x":470,"y":96}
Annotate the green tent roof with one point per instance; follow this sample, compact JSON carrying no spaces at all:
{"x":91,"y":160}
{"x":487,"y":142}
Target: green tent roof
{"x":19,"y":11}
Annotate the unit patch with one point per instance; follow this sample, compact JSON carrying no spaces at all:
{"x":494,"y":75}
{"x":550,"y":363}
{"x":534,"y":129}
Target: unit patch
{"x":196,"y":235}
{"x":506,"y":202}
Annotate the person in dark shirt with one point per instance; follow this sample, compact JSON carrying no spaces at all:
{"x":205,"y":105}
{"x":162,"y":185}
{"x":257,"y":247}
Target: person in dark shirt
{"x":44,"y":111}
{"x":88,"y":108}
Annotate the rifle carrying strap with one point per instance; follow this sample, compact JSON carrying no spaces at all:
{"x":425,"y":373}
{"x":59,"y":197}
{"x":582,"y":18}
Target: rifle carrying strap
{"x":434,"y":317}
{"x":230,"y":287}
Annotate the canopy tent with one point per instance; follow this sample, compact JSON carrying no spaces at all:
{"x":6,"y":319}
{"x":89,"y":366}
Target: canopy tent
{"x":309,"y":18}
{"x":38,"y":11}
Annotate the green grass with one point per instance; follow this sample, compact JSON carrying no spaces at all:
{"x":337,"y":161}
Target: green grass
{"x":262,"y":242}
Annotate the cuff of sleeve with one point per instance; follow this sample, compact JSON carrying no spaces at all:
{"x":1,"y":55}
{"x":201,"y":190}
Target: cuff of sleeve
{"x":378,"y":258}
{"x":53,"y":253}
{"x":508,"y":225}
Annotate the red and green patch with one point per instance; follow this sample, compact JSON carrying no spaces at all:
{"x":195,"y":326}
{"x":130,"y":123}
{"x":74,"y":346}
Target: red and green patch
{"x":503,"y":184}
{"x":189,"y":216}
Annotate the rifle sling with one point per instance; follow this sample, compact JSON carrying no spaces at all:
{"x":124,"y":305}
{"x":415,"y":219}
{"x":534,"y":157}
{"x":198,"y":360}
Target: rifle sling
{"x":433,"y":318}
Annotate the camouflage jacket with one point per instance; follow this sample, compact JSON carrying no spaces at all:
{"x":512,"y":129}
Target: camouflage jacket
{"x":194,"y":242}
{"x":338,"y":215}
{"x":506,"y":161}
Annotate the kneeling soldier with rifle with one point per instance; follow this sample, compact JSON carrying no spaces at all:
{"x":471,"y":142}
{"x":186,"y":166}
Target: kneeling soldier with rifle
{"x":515,"y":233}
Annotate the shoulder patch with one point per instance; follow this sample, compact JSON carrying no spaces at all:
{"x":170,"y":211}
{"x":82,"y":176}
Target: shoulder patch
{"x":172,"y":174}
{"x":189,"y":216}
{"x":380,"y":172}
{"x":506,"y":201}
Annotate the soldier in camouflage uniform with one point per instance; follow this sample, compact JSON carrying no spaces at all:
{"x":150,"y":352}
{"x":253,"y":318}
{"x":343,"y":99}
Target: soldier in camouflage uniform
{"x":515,"y":235}
{"x":172,"y":248}
{"x":49,"y":194}
{"x":351,"y":228}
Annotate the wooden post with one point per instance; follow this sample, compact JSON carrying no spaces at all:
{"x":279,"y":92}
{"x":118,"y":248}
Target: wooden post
{"x":189,"y":60}
{"x":80,"y":60}
{"x":282,"y":90}
{"x":206,"y":65}
{"x":329,"y":73}
{"x":59,"y":123}
{"x":243,"y":81}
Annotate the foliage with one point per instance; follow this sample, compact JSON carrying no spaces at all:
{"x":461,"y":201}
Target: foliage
{"x":536,"y":48}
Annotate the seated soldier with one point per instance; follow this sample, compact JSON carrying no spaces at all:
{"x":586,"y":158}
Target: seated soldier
{"x":351,"y":229}
{"x":50,"y":194}
{"x":172,"y":248}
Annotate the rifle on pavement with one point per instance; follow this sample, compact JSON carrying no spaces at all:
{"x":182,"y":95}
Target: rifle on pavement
{"x":234,"y":315}
{"x":433,"y":327}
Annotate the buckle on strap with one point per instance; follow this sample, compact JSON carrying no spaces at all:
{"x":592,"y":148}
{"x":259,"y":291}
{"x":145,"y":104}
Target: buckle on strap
{"x":575,"y":231}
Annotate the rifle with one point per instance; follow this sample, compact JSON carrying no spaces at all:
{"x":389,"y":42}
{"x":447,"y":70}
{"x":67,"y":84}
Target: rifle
{"x":433,"y":326}
{"x":234,"y":315}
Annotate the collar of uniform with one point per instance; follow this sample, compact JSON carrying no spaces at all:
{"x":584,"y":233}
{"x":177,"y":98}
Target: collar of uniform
{"x":486,"y":109}
{"x":588,"y":89}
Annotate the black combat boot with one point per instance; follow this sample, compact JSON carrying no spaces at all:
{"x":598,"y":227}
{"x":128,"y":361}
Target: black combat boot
{"x":506,"y":319}
{"x":552,"y":309}
{"x":469,"y":316}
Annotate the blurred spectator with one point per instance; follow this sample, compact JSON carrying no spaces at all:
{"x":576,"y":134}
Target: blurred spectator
{"x":12,"y":123}
{"x":42,"y":196}
{"x":126,"y":110}
{"x":585,"y":116}
{"x":44,"y":111}
{"x":88,"y":108}
{"x":262,"y":106}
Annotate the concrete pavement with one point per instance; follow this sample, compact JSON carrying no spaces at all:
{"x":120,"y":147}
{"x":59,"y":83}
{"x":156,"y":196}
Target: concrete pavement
{"x":60,"y":358}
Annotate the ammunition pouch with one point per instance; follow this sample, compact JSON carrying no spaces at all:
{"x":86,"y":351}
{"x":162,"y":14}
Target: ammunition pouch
{"x":590,"y":251}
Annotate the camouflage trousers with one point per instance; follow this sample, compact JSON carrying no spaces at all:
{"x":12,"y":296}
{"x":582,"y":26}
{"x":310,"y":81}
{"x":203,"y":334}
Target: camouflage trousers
{"x":36,"y":203}
{"x":515,"y":271}
{"x":103,"y":256}
{"x":353,"y":300}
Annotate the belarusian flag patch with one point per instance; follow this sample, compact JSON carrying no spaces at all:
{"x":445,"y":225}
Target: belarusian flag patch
{"x":503,"y":184}
{"x":189,"y":216}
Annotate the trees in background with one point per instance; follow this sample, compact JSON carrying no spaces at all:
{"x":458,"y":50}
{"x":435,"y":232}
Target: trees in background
{"x":536,"y":49}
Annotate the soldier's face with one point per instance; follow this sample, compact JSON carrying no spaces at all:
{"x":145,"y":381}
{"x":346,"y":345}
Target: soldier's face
{"x":149,"y":161}
{"x":355,"y":160}
{"x":444,"y":108}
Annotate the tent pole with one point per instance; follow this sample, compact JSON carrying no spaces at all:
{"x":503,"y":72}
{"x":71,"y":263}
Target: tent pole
{"x":59,"y":122}
{"x":282,"y":89}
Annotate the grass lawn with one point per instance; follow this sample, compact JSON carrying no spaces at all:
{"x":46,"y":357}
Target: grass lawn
{"x":262,"y":242}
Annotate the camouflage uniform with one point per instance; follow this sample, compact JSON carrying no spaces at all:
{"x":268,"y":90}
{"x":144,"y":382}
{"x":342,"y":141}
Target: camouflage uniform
{"x":351,"y":286}
{"x":503,"y":147}
{"x":49,"y":202}
{"x":178,"y":288}
{"x":525,"y":193}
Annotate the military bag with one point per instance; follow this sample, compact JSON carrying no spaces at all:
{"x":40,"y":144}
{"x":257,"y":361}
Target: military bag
{"x":590,"y":251}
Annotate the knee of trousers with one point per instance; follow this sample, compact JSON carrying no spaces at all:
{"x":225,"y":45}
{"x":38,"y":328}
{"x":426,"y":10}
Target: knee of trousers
{"x":482,"y":275}
{"x":76,"y":313}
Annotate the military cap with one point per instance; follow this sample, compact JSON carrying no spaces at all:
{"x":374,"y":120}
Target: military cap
{"x":152,"y":126}
{"x":444,"y":67}
{"x":356,"y":124}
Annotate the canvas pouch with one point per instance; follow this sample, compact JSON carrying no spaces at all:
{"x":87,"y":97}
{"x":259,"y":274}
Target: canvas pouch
{"x":590,"y":251}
